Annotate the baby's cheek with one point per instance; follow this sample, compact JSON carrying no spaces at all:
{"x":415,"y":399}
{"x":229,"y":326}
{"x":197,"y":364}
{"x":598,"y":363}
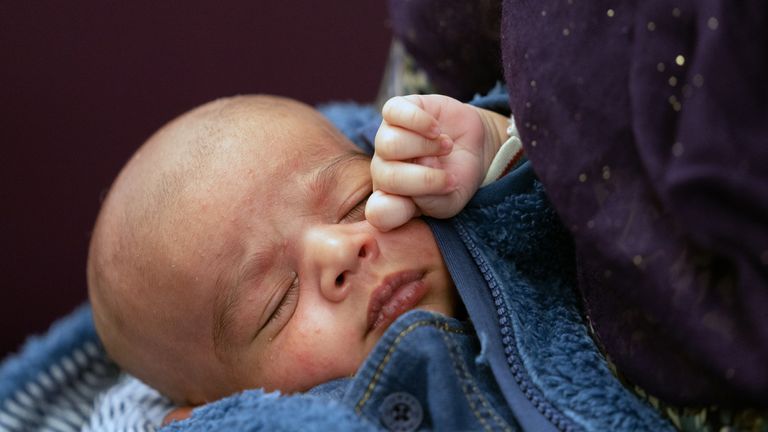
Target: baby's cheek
{"x":308,"y":368}
{"x":311,"y":359}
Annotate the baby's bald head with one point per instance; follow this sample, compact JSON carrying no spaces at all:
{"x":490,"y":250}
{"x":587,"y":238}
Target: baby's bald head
{"x":159,"y":211}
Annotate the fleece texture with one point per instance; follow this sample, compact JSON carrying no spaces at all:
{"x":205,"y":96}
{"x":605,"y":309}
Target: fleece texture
{"x":256,"y":410}
{"x":526,"y":255}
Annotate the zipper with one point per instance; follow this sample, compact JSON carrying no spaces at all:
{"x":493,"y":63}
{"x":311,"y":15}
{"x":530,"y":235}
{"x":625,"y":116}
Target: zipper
{"x":507,"y":338}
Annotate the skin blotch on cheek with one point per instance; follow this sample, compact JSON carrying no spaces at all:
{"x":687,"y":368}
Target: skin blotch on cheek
{"x":312,"y":364}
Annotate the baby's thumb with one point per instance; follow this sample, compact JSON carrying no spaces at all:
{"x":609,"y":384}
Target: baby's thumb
{"x":387,"y":212}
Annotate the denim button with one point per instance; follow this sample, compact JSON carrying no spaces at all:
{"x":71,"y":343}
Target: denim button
{"x":401,"y":412}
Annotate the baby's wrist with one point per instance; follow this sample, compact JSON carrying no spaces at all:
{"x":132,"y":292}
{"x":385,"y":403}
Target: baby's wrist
{"x":495,"y":134}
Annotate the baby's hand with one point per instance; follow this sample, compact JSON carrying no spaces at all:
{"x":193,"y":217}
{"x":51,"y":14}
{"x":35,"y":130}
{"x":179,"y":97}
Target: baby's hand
{"x":431,"y":155}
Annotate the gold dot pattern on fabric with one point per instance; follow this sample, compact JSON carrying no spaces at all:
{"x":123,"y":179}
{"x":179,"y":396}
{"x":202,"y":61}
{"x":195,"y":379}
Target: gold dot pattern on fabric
{"x":582,"y":177}
{"x":566,"y":32}
{"x":651,"y":26}
{"x":713,"y":23}
{"x":675,"y":103}
{"x":672,"y":81}
{"x":661,"y":67}
{"x":637,"y":260}
{"x":610,"y":13}
{"x":606,"y":172}
{"x":676,"y":12}
{"x":677,"y":149}
{"x":680,"y":60}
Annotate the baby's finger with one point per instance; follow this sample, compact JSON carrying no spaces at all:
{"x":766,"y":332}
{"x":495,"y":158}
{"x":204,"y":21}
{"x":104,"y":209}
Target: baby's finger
{"x":396,"y":143}
{"x":387,"y":212}
{"x":428,"y":161}
{"x":403,"y":178}
{"x":407,"y":112}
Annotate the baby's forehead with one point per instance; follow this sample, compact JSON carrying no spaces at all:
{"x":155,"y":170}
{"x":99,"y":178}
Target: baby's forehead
{"x":204,"y":154}
{"x":307,"y":146}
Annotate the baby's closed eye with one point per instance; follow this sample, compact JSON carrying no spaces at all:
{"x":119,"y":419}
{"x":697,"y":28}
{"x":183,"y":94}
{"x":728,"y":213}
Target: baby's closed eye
{"x":356,"y":213}
{"x":290,"y":297}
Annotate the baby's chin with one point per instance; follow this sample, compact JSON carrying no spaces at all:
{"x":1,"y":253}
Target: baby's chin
{"x":445,"y":300}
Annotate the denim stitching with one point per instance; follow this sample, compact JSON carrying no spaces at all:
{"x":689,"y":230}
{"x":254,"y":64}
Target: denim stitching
{"x":468,"y":385}
{"x":458,"y":367}
{"x":380,"y":368}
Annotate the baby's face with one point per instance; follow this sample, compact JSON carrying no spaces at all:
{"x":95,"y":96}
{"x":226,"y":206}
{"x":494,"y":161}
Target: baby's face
{"x":305,"y":286}
{"x":280,"y":281}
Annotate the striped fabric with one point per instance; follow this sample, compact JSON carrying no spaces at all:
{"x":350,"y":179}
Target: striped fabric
{"x":129,"y":405}
{"x":60,"y":396}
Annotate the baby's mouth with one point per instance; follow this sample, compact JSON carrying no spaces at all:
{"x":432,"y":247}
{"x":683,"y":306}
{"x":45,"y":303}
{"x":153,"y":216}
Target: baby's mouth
{"x":398,"y":293}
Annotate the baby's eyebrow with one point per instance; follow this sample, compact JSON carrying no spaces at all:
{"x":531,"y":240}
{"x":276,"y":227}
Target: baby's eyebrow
{"x":326,"y":177}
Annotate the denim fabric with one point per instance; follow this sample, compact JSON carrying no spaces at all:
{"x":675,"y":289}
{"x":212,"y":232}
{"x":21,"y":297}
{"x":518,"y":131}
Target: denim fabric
{"x":424,"y":375}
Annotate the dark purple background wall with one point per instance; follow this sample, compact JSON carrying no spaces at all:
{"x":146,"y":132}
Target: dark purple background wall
{"x":83,"y":83}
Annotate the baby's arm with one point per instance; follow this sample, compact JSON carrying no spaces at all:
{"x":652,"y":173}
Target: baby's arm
{"x":432,"y":153}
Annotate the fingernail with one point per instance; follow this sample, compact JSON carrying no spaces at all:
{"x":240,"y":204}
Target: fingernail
{"x":434,"y":131}
{"x":446,"y":143}
{"x":450,"y":183}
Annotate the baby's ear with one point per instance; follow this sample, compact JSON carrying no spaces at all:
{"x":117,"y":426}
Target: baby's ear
{"x":178,"y":414}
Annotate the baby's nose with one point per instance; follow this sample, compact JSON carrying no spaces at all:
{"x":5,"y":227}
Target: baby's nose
{"x":337,"y":253}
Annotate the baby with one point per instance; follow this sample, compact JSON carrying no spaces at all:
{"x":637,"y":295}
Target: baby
{"x":242,"y":246}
